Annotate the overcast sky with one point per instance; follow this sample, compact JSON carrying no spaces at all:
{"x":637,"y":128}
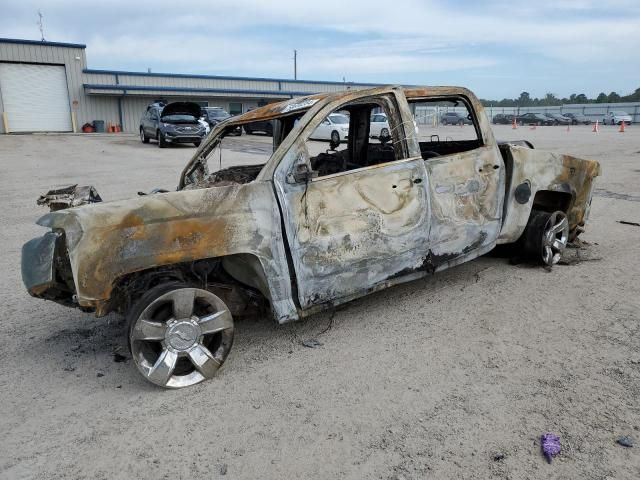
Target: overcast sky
{"x":498,"y":48}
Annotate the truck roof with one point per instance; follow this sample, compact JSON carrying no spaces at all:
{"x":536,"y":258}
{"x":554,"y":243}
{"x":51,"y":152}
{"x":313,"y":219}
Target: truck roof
{"x":296,"y":104}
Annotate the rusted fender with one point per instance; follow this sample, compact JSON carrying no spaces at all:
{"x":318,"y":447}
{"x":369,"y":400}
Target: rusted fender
{"x":110,"y":240}
{"x":547,"y":171}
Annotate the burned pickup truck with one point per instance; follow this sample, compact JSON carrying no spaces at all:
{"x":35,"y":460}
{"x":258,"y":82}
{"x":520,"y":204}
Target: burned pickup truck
{"x":314,"y":226}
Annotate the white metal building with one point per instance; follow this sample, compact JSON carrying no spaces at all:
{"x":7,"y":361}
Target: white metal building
{"x":47,"y":87}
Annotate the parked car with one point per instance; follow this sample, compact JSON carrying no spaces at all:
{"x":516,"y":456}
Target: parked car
{"x":617,"y":117}
{"x":176,"y":122}
{"x":577,"y":118}
{"x":534,"y":119}
{"x":558,"y":119}
{"x":503,"y":119}
{"x":454,"y":118}
{"x":378,"y":126}
{"x":214,"y":115}
{"x":306,"y":231}
{"x":264,"y":126}
{"x":335,"y":128}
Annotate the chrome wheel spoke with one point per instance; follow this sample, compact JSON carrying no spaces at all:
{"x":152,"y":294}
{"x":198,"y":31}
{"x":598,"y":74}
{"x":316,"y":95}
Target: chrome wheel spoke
{"x":216,"y":322}
{"x":203,"y":360}
{"x":149,"y":330}
{"x":558,"y":245}
{"x":183,"y":302}
{"x":559,"y":227}
{"x":162,"y":370}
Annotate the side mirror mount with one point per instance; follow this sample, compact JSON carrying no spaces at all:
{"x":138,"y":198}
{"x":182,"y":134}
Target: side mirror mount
{"x":301,"y":174}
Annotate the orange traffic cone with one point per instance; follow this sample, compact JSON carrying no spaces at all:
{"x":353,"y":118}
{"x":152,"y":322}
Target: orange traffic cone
{"x":514,"y":125}
{"x":595,"y":127}
{"x":621,"y":127}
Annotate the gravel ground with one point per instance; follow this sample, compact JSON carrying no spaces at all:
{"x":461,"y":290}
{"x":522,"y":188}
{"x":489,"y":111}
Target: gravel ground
{"x":455,"y":376}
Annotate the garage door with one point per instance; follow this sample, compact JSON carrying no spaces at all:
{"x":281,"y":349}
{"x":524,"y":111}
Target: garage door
{"x":35,"y":97}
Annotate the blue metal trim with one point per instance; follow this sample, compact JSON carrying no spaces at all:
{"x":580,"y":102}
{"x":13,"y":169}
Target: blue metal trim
{"x":222,"y":77}
{"x":193,"y":90}
{"x":38,"y":42}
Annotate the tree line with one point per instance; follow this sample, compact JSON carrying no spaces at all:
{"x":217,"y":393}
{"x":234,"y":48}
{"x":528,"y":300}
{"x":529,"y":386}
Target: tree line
{"x":549,"y":100}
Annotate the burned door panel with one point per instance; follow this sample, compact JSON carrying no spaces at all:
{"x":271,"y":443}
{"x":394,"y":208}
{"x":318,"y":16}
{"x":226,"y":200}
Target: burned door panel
{"x":350,"y":231}
{"x":466,"y":201}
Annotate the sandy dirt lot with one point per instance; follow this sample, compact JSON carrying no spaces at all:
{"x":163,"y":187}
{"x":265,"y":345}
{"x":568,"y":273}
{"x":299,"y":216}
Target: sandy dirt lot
{"x":452,"y":377}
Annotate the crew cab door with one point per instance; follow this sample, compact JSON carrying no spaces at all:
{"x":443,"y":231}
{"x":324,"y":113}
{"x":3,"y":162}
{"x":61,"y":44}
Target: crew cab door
{"x":466,"y":179}
{"x":357,"y":217}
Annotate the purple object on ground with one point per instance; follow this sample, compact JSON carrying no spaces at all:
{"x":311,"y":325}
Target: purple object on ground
{"x":550,"y":445}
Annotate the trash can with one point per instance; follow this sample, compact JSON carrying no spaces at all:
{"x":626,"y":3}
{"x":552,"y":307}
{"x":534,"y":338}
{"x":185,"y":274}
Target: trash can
{"x":98,"y":126}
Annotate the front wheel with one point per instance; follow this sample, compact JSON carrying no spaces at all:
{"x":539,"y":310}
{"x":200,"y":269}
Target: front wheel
{"x":546,"y":236}
{"x":179,"y":335}
{"x":143,"y":136}
{"x":162,"y":143}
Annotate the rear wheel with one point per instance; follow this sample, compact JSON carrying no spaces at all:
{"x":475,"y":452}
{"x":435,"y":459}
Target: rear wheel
{"x":546,"y":236}
{"x":179,"y":335}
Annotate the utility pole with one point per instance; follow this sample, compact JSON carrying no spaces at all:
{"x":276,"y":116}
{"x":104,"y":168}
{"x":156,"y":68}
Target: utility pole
{"x":295,"y":64}
{"x":41,"y":25}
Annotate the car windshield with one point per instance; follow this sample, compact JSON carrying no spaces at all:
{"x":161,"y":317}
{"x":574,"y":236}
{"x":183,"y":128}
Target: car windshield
{"x":179,"y":118}
{"x":217,"y":113}
{"x":338,"y":118}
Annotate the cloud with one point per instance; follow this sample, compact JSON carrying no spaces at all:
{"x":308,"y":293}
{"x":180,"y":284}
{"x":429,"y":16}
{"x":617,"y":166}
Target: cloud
{"x":365,"y":41}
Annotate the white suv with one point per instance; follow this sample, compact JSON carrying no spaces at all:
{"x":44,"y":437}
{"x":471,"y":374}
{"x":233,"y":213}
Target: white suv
{"x":616,"y":118}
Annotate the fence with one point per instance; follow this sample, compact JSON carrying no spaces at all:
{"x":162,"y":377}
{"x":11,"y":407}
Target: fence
{"x":593,"y":111}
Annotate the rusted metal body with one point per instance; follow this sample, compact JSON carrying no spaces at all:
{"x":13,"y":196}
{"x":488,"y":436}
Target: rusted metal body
{"x":312,"y":244}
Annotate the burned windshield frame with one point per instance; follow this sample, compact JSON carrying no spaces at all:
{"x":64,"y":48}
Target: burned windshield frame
{"x":198,"y":167}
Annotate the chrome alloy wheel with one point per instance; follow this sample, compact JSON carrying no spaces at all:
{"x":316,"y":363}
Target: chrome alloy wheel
{"x":555,"y":238}
{"x":181,"y":337}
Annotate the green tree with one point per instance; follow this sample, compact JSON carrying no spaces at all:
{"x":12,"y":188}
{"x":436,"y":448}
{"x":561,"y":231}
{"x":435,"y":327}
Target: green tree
{"x":602,"y":98}
{"x":550,"y":99}
{"x":613,"y":97}
{"x":524,"y":100}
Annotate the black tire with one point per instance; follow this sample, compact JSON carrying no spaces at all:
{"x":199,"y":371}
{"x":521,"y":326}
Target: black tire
{"x":143,"y":136}
{"x":248,"y":131}
{"x":161,"y":141}
{"x":335,"y":137}
{"x":538,"y":235}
